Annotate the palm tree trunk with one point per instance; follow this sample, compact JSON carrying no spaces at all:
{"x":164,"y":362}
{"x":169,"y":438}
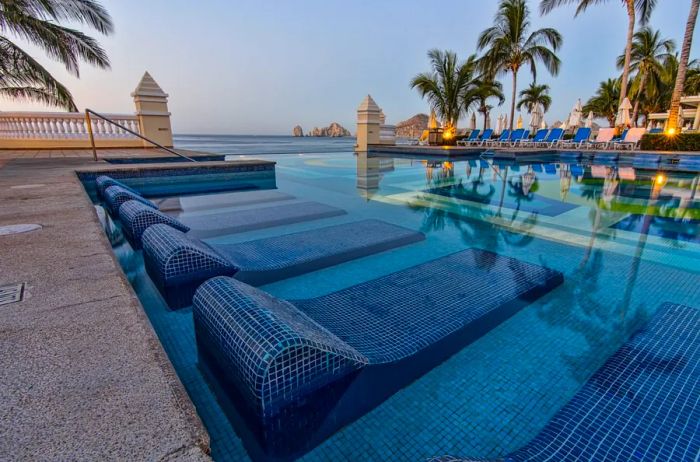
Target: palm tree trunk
{"x":628,"y":49}
{"x":512,"y":103}
{"x":682,"y":67}
{"x":640,"y":92}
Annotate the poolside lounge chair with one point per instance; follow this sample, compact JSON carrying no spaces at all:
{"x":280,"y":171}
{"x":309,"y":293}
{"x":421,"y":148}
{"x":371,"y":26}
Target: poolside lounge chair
{"x":516,"y":137}
{"x":640,"y":405}
{"x":505,"y":136}
{"x":473,"y":136}
{"x":539,"y":137}
{"x":178,"y":264}
{"x":485,"y":137}
{"x":552,"y":139}
{"x":631,"y":139}
{"x":656,"y":131}
{"x":603,"y":139}
{"x":580,"y":138}
{"x":368,"y":340}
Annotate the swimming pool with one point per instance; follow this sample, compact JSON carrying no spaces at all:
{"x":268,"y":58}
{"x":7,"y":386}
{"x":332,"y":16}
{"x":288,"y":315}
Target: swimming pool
{"x":626,"y":240}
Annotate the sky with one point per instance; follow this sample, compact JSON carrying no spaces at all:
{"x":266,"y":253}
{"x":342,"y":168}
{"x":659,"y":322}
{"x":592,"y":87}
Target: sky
{"x":253,"y":67}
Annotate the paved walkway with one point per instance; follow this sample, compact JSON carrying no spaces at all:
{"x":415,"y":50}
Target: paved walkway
{"x":87,"y":154}
{"x":84,"y":376}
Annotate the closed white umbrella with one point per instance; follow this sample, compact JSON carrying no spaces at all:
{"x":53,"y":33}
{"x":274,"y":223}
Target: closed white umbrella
{"x":519,"y":124}
{"x":589,"y":120}
{"x":505,"y":122}
{"x":623,"y":114}
{"x":537,"y":117}
{"x":543,"y":125}
{"x":499,"y":125}
{"x":650,"y":125}
{"x":487,"y":122}
{"x":564,"y":125}
{"x":472,"y":124}
{"x":574,"y":119}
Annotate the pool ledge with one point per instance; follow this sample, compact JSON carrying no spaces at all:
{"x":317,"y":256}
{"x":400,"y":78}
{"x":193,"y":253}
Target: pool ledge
{"x":84,"y":375}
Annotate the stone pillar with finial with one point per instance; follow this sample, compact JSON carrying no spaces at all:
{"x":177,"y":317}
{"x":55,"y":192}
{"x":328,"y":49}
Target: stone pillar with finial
{"x":152,"y":110}
{"x":368,"y":124}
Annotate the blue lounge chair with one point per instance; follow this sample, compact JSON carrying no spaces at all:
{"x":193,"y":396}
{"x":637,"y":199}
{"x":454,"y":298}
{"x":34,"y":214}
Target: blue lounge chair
{"x":178,"y":264}
{"x":517,"y":136}
{"x":505,"y":136}
{"x":277,"y":355}
{"x":486,"y":136}
{"x":553,"y":138}
{"x":539,"y":137}
{"x":582,"y":137}
{"x":640,"y":405}
{"x":473,"y":136}
{"x":656,"y":131}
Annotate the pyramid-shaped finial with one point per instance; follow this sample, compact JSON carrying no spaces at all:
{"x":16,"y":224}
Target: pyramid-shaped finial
{"x":368,"y":105}
{"x":148,"y":87}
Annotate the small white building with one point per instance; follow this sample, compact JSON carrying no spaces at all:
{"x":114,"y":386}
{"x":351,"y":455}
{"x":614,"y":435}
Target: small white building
{"x":690,"y":113}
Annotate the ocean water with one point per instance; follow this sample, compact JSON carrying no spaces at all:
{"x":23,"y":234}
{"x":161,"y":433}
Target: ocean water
{"x":254,"y":144}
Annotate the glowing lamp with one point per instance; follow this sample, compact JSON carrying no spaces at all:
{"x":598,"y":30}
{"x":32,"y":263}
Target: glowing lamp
{"x":660,"y":180}
{"x":671,"y":131}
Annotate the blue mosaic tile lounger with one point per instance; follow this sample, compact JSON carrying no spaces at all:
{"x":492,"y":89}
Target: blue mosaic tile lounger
{"x":642,"y":405}
{"x":210,"y":225}
{"x":115,"y":196}
{"x":103,"y":182}
{"x":178,"y":264}
{"x":355,"y":347}
{"x":136,"y":217}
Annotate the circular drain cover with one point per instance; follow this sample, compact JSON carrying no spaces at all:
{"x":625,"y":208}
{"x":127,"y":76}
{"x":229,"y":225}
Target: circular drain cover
{"x":16,"y":229}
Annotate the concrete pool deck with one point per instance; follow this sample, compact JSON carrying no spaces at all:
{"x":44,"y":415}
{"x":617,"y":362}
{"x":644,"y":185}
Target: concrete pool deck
{"x":84,"y":375}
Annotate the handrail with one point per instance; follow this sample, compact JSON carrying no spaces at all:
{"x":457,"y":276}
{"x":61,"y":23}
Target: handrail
{"x":138,"y":135}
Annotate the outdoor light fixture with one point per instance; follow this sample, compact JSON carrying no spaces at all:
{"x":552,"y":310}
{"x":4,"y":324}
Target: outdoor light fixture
{"x":671,"y":131}
{"x":660,"y":180}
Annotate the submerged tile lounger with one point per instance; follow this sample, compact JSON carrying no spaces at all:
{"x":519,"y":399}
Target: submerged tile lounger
{"x":239,"y":221}
{"x":642,"y":405}
{"x":381,"y":334}
{"x":115,"y":196}
{"x":178,"y":264}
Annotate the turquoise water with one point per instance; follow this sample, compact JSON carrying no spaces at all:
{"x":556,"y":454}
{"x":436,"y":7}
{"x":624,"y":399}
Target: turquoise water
{"x":626,"y":240}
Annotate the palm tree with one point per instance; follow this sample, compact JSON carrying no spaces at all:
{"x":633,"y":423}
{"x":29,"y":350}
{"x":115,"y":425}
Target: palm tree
{"x":38,"y":22}
{"x":509,"y":47}
{"x":682,"y":67}
{"x":643,"y":7}
{"x":535,"y":95}
{"x":606,"y":100}
{"x":446,"y":85}
{"x":649,"y":51}
{"x":480,"y":93}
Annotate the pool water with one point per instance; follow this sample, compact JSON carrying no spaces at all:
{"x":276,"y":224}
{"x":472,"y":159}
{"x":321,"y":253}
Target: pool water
{"x":626,"y":241}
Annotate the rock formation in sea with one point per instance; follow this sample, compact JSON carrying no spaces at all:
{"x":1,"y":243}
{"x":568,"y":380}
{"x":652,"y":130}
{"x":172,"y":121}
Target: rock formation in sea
{"x":334,"y":130}
{"x":413,"y":127}
{"x":297,"y":131}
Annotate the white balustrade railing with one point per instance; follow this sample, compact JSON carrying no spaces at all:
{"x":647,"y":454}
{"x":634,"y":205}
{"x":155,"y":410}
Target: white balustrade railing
{"x":64,"y":125}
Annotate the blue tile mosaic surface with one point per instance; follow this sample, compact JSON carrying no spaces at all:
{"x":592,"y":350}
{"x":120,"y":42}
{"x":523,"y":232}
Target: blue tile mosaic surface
{"x":641,"y":405}
{"x":136,"y":217}
{"x":210,"y":225}
{"x":103,"y":182}
{"x":174,"y":258}
{"x":115,"y":196}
